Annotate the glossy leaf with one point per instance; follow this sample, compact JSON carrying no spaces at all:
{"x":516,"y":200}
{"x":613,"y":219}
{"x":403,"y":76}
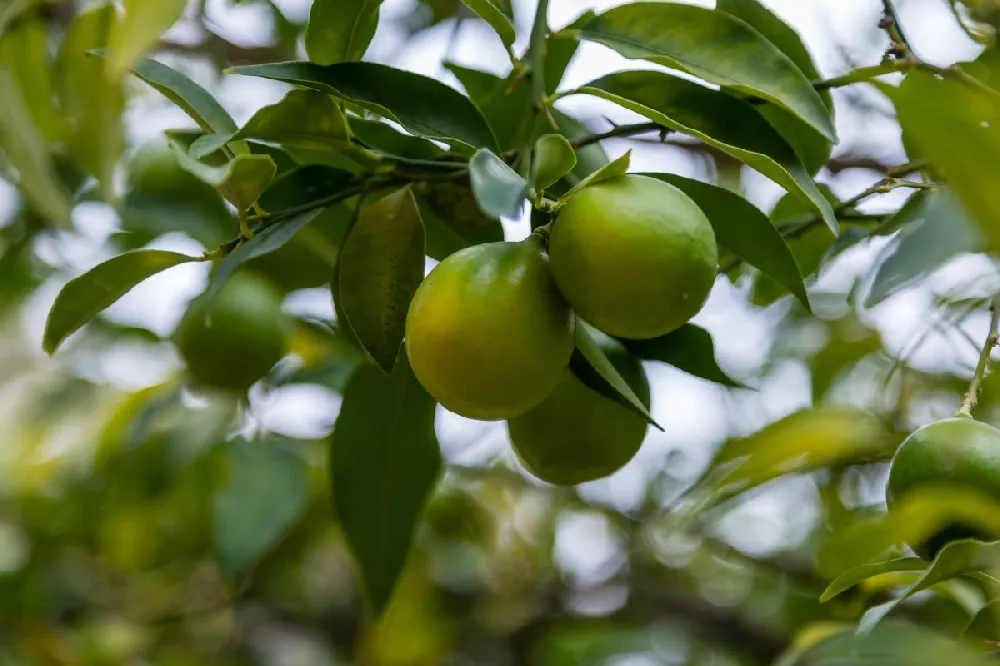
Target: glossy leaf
{"x":733,"y":126}
{"x":139,"y":30}
{"x":82,"y":298}
{"x":241,"y":180}
{"x":495,"y":17}
{"x":615,"y":169}
{"x":713,"y":46}
{"x":499,"y":190}
{"x":744,"y":230}
{"x":689,"y":348}
{"x":384,"y":462}
{"x":380,"y":267}
{"x":386,"y":139}
{"x":265,"y":492}
{"x":554,"y":157}
{"x":812,"y":147}
{"x":25,"y":149}
{"x":340,"y":30}
{"x":592,"y":367}
{"x":956,"y":558}
{"x":419,"y":103}
{"x":860,"y":574}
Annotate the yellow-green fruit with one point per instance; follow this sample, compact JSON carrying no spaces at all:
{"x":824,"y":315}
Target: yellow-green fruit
{"x":577,"y":435}
{"x":488,"y":334}
{"x":959,"y":452}
{"x":634,"y":256}
{"x":236,"y":339}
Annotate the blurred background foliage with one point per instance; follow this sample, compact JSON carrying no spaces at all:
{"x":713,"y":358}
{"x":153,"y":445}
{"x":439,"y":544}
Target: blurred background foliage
{"x":123,"y":492}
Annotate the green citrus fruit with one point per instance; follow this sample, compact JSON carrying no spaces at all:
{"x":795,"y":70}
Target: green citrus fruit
{"x":488,"y":334}
{"x":634,"y":256}
{"x":233,"y":341}
{"x":958,"y":452}
{"x":577,"y":435}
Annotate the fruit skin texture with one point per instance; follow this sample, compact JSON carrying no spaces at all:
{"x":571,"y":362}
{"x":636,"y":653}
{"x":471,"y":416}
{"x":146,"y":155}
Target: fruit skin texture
{"x":634,"y":256}
{"x":240,"y":340}
{"x":488,"y":334}
{"x":577,"y":435}
{"x":959,"y":452}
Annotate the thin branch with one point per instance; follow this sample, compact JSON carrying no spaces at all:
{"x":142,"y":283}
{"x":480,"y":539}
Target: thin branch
{"x":619,"y":131}
{"x":972,"y":396}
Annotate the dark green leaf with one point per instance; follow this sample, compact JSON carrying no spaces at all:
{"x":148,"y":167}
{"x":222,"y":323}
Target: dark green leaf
{"x":386,"y":139}
{"x":713,"y":46}
{"x":554,"y":157}
{"x":380,"y":267}
{"x":720,"y":120}
{"x":614,"y":169}
{"x":812,"y":147}
{"x":419,"y":103}
{"x":741,"y":228}
{"x":333,"y":375}
{"x":446,"y":236}
{"x":956,"y":558}
{"x":82,"y":298}
{"x":384,"y":463}
{"x":265,"y":492}
{"x":499,"y":190}
{"x":340,"y":30}
{"x":489,"y":11}
{"x":860,"y":574}
{"x":944,"y":231}
{"x":303,"y":185}
{"x":689,"y":348}
{"x":592,"y":367}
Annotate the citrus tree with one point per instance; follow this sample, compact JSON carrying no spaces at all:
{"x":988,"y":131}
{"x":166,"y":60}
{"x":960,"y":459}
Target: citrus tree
{"x":163,"y":522}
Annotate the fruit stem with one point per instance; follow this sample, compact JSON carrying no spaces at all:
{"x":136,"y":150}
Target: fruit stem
{"x":972,"y":396}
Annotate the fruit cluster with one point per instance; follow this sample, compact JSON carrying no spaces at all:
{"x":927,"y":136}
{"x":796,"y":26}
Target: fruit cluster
{"x":490,"y":332}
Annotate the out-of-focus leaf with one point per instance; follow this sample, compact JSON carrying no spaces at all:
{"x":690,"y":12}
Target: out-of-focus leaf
{"x":592,"y":367}
{"x":615,"y":169}
{"x":689,"y":348}
{"x":381,"y":265}
{"x":384,"y":461}
{"x":713,"y":46}
{"x":954,"y":559}
{"x":264,"y":494}
{"x":849,"y":342}
{"x":812,"y":147}
{"x":139,"y":30}
{"x":860,"y":574}
{"x":340,"y":30}
{"x":944,"y":231}
{"x":725,"y":122}
{"x":91,"y":101}
{"x":419,"y":103}
{"x":983,"y":629}
{"x":554,"y":157}
{"x":499,"y":190}
{"x":489,"y":11}
{"x":241,"y":180}
{"x":891,"y":644}
{"x":745,"y":231}
{"x":82,"y":298}
{"x":24,"y":53}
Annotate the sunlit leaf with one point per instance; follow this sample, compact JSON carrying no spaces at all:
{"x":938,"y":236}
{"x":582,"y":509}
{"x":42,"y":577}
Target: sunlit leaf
{"x":340,"y":30}
{"x":489,"y":11}
{"x":24,"y":53}
{"x":82,"y":298}
{"x":499,"y":190}
{"x":615,"y":169}
{"x":139,"y":30}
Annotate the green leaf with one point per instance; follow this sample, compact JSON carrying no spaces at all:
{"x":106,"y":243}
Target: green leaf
{"x":589,"y":158}
{"x":305,"y":184}
{"x":953,"y":125}
{"x":25,"y":149}
{"x":713,"y":46}
{"x":812,"y":147}
{"x":265,"y":492}
{"x":446,"y":235}
{"x":91,"y":101}
{"x":944,"y":231}
{"x":733,"y":126}
{"x":420,"y":104}
{"x":554,"y":157}
{"x":386,"y":139}
{"x":860,"y":574}
{"x":955,"y":559}
{"x":24,"y":52}
{"x":191,"y":98}
{"x":689,"y":348}
{"x":984,"y":627}
{"x":499,"y":190}
{"x":615,"y":169}
{"x":380,"y":267}
{"x":140,"y":29}
{"x":745,"y":231}
{"x":82,"y":298}
{"x":592,"y":367}
{"x":384,"y":462}
{"x":492,"y":14}
{"x":340,"y":30}
{"x":241,"y":180}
